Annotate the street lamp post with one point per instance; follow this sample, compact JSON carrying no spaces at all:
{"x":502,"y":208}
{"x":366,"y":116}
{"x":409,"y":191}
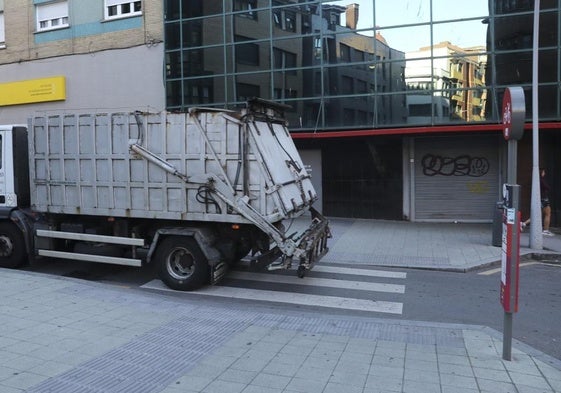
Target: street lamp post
{"x":536,"y":236}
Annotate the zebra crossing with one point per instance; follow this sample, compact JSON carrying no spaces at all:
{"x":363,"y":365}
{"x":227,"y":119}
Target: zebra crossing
{"x":346,"y":288}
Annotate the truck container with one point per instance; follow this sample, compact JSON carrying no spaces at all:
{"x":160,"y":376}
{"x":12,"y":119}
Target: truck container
{"x":192,"y":192}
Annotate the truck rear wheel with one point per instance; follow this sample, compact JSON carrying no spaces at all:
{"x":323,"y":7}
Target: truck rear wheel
{"x":12,"y":247}
{"x":181,"y":263}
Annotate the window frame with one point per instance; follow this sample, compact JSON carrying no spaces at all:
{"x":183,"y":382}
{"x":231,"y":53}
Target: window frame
{"x":42,"y":23}
{"x":2,"y":30}
{"x":247,"y":8}
{"x":118,"y":7}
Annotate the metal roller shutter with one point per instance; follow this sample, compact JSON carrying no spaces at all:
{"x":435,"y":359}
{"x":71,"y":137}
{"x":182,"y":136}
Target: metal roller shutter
{"x":456,"y":178}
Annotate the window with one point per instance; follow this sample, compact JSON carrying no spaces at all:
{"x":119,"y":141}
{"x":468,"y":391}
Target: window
{"x":246,"y":53}
{"x":52,"y":16}
{"x":284,"y":19}
{"x":345,"y":52}
{"x":290,"y":21}
{"x":122,"y":8}
{"x":247,"y":91}
{"x":2,"y":36}
{"x":283,"y":59}
{"x":246,"y":5}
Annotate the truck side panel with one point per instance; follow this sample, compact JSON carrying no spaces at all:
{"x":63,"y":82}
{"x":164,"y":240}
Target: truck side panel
{"x":83,"y":164}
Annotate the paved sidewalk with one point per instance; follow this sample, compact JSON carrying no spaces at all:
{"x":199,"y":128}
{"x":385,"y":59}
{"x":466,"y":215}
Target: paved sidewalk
{"x":445,"y":246}
{"x":64,"y":335}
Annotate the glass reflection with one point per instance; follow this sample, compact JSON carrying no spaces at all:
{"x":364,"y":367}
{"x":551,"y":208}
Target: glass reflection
{"x":339,"y":64}
{"x":402,"y":12}
{"x":442,"y":9}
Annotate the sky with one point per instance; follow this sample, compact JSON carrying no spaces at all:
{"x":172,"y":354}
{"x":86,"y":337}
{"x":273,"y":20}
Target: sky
{"x":399,"y":12}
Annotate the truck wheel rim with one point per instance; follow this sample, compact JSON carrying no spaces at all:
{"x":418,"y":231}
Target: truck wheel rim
{"x":6,"y":246}
{"x":180,"y":263}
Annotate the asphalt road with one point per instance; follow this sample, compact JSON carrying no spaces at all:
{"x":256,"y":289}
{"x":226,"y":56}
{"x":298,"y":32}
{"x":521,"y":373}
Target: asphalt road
{"x":473,"y":298}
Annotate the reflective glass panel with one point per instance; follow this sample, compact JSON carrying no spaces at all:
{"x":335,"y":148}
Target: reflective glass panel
{"x":405,"y":39}
{"x":402,"y":12}
{"x":466,"y":34}
{"x":444,"y":10}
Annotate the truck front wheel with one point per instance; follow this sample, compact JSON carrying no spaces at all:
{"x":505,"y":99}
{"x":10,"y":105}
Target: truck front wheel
{"x":181,"y":263}
{"x":12,"y":247}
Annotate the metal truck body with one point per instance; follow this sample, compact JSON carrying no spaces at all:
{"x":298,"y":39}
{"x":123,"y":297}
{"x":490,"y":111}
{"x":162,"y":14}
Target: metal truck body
{"x":193,"y":191}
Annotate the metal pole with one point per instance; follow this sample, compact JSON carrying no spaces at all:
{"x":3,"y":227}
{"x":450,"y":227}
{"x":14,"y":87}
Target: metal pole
{"x":507,"y":336}
{"x":508,"y":315}
{"x":536,"y":237}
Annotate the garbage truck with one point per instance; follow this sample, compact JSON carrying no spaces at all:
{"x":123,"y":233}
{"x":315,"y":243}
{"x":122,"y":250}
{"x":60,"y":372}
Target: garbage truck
{"x":192,"y":192}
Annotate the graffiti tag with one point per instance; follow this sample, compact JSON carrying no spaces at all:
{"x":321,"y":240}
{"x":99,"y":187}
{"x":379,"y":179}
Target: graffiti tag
{"x":463,"y":165}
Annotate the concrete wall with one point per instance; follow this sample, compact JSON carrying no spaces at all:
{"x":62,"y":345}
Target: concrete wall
{"x":113,"y":80}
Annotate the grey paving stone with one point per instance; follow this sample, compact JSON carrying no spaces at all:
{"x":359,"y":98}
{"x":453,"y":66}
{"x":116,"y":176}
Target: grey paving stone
{"x":420,"y":387}
{"x":493,"y":375}
{"x":23,"y":380}
{"x":493,"y":363}
{"x":348,"y":378}
{"x":529,"y":389}
{"x":8,"y":389}
{"x":418,"y":364}
{"x":385,"y":383}
{"x":386,"y":371}
{"x":333,"y":387}
{"x":381,"y":343}
{"x":522,"y":364}
{"x":238,"y":376}
{"x":271,"y":381}
{"x":306,"y":385}
{"x":261,"y":389}
{"x":453,"y":359}
{"x":529,"y":380}
{"x":295,"y":349}
{"x":352,"y":367}
{"x":448,"y":350}
{"x":355,"y":357}
{"x":314,"y":373}
{"x":21,"y":362}
{"x":281,"y":368}
{"x":193,"y":382}
{"x":458,"y":381}
{"x":218,"y":386}
{"x":421,"y":375}
{"x":50,"y":369}
{"x":495,"y":386}
{"x":383,"y":360}
{"x":290,"y":358}
{"x":455,"y":369}
{"x":455,"y":389}
{"x":390,"y":352}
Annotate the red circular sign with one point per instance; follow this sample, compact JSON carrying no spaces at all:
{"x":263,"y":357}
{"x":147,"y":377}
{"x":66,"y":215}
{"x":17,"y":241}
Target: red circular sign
{"x":514,"y":111}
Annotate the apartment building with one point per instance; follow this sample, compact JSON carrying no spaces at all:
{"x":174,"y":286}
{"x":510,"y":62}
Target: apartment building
{"x":96,"y":55}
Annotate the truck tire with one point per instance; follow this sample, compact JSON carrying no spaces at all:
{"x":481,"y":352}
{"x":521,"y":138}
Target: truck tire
{"x":12,"y":247}
{"x":181,"y":264}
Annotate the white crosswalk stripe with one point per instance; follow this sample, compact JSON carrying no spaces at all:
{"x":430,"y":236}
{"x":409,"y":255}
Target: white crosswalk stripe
{"x":347,"y":294}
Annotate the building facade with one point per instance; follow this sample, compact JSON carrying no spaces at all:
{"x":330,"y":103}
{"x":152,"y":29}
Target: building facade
{"x":104,"y":55}
{"x":394,"y":105}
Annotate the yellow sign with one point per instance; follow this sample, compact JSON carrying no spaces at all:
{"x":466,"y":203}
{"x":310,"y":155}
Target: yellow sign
{"x":33,"y":90}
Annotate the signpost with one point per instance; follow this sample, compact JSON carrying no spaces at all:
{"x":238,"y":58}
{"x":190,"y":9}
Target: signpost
{"x":514,"y":110}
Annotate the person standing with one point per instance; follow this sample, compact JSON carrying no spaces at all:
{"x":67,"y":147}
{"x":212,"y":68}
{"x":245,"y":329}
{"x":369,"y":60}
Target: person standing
{"x":546,"y":204}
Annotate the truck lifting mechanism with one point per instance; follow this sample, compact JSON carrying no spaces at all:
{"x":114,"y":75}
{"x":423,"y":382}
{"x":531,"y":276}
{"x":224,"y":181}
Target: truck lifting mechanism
{"x":191,"y":192}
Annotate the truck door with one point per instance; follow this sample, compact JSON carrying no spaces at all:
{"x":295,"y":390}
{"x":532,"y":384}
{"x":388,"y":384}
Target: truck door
{"x":8,"y":197}
{"x":3,"y":138}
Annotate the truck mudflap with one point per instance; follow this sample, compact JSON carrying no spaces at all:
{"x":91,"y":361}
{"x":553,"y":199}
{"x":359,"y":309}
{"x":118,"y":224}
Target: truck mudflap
{"x":311,"y":246}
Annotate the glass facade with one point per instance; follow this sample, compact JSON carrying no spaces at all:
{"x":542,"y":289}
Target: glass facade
{"x":362,"y":64}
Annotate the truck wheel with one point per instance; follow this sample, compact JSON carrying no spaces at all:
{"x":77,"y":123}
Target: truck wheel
{"x":182,"y":265}
{"x":12,"y":247}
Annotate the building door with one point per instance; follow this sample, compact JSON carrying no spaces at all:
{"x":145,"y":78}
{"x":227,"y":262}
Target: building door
{"x":455,"y":178}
